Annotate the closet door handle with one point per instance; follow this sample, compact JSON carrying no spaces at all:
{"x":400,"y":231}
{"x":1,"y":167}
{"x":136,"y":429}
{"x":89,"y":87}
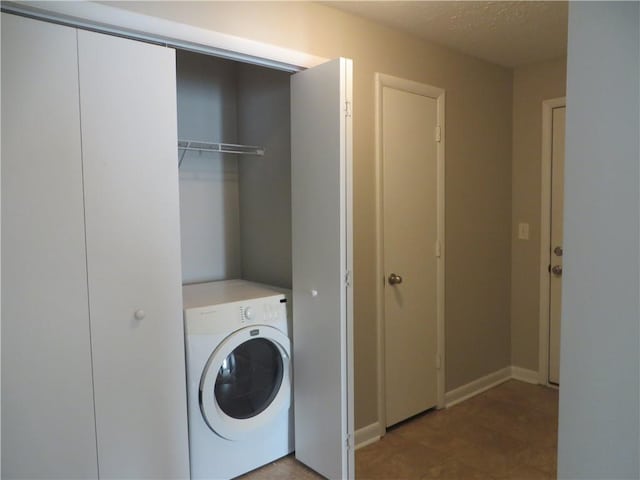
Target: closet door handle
{"x":395,"y":279}
{"x":139,"y":314}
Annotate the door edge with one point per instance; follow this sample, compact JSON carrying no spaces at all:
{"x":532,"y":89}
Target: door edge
{"x":545,"y":237}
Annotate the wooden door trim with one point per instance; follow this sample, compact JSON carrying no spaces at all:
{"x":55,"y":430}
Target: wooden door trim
{"x":545,"y":233}
{"x":383,"y":80}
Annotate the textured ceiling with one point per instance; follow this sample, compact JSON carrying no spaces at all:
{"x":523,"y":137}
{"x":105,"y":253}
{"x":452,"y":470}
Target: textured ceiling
{"x":509,"y":33}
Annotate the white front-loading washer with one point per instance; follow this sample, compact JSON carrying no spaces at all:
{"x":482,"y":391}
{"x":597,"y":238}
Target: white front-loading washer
{"x":238,"y":357}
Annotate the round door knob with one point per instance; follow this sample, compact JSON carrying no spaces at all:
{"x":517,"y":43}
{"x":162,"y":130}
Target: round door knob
{"x":139,"y":314}
{"x":556,"y":270}
{"x":395,"y":279}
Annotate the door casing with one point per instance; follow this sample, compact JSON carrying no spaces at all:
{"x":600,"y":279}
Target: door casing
{"x":381,"y":81}
{"x":545,"y":237}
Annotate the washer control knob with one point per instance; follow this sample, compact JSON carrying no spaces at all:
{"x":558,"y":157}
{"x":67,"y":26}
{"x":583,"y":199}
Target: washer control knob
{"x":248,"y":313}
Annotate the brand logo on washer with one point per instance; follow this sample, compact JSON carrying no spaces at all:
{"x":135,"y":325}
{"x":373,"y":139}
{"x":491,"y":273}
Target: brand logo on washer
{"x":255,"y":332}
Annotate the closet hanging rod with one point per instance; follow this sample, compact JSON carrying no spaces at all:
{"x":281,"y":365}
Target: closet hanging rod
{"x":197,"y":146}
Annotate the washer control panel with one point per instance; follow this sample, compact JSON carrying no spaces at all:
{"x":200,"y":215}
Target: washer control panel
{"x":263,"y":312}
{"x":247,"y":313}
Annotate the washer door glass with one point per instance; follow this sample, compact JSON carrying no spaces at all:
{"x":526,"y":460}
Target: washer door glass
{"x":249,"y":378}
{"x":246,"y":383}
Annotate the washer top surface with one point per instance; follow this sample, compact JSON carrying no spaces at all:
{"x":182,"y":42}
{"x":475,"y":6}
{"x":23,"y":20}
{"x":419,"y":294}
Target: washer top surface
{"x":200,"y":295}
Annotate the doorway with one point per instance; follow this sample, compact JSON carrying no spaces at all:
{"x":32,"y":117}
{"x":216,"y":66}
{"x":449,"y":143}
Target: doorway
{"x":410,"y":167}
{"x":551,"y":236}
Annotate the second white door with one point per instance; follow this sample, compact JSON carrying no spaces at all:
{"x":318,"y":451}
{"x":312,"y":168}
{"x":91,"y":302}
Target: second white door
{"x":409,"y":124}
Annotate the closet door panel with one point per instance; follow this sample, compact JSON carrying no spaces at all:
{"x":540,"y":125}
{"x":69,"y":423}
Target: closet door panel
{"x":128,"y":106}
{"x":47,"y":398}
{"x":321,"y":172}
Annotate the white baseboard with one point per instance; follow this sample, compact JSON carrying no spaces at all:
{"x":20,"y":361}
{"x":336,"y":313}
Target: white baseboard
{"x":367,"y":435}
{"x":524,"y":375}
{"x":472,"y":389}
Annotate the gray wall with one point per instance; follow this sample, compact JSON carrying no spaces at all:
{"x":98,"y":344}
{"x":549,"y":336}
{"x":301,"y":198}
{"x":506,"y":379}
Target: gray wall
{"x":532,"y":84}
{"x":599,"y":399}
{"x":209,"y":190}
{"x":265,"y":182}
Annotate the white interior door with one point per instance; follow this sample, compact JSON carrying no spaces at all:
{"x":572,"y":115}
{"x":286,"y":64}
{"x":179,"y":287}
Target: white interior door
{"x":128,"y":107}
{"x":47,"y":397}
{"x":410,"y":219}
{"x":557,"y":202}
{"x":322,"y":299}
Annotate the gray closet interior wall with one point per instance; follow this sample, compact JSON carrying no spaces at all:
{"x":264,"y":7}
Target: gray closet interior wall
{"x":265,"y":182}
{"x":209,"y":196}
{"x":235,"y":209}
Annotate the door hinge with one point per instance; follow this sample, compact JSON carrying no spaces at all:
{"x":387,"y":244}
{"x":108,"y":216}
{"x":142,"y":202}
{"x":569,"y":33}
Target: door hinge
{"x":348,"y":442}
{"x":438,"y":362}
{"x":347,"y":278}
{"x":347,"y":108}
{"x":438,"y":249}
{"x":438,"y":135}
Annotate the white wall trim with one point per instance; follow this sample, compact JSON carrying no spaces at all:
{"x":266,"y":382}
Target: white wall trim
{"x":477,"y":386}
{"x":382,"y":80}
{"x":367,"y":435}
{"x":113,"y":20}
{"x":545,"y":236}
{"x":524,"y":375}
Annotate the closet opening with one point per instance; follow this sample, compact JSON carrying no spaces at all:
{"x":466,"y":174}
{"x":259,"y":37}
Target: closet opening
{"x":234,"y":151}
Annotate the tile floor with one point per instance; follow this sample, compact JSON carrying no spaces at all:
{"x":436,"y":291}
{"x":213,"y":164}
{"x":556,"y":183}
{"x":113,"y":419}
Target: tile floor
{"x":507,"y":432}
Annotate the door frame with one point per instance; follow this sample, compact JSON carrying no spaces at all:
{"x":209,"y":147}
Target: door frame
{"x":381,"y":81}
{"x":545,"y":236}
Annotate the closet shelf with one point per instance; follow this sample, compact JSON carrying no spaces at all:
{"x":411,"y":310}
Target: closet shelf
{"x":196,"y":146}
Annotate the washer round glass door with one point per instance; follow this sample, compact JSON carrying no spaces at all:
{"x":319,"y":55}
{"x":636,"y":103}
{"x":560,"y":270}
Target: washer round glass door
{"x":246,"y":381}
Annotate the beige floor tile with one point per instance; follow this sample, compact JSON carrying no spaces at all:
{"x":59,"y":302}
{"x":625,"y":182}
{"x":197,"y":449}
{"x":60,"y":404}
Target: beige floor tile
{"x":455,"y":470}
{"x":287,"y":468}
{"x":421,"y":459}
{"x":495,"y":457}
{"x":541,"y":458}
{"x":535,"y":397}
{"x":387,"y":469}
{"x":525,"y":472}
{"x":507,"y":432}
{"x":381,"y":451}
{"x":518,"y":421}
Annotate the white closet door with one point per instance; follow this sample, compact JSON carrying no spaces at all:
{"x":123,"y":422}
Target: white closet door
{"x":322,"y":301}
{"x":47,"y":398}
{"x":128,"y":107}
